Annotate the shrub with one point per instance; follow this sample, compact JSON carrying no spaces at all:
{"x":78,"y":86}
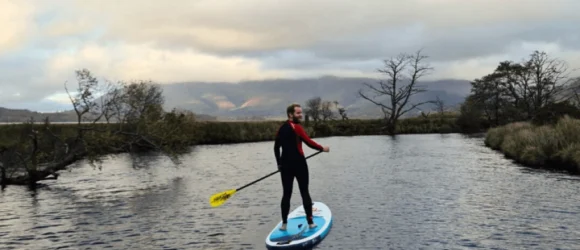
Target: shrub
{"x":547,"y":145}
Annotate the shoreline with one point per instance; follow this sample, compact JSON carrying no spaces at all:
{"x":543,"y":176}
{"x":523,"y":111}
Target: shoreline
{"x":551,"y":147}
{"x":515,"y":141}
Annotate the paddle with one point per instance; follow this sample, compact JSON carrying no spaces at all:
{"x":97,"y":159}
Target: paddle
{"x":219,"y":198}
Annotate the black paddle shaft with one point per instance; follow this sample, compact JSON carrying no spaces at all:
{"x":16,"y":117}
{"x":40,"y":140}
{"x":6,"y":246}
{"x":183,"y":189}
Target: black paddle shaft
{"x":251,"y":183}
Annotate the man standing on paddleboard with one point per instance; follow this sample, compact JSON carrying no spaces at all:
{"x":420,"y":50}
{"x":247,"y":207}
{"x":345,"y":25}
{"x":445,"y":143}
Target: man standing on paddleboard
{"x":292,"y":163}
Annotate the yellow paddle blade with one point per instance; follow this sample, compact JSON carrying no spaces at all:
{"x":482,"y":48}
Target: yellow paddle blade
{"x":219,"y":198}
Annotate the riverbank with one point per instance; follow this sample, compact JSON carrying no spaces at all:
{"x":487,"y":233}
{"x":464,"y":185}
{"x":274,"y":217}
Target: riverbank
{"x":548,"y":146}
{"x":214,"y":132}
{"x":33,"y":152}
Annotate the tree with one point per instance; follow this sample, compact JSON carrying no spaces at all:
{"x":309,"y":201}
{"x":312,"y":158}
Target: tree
{"x":488,"y":92}
{"x":326,"y":111}
{"x":341,"y":111}
{"x":110,"y":100}
{"x":425,"y":115}
{"x":440,"y":106}
{"x":471,"y":114}
{"x":403,"y":73}
{"x":141,"y":125}
{"x":553,"y":112}
{"x":84,"y":101}
{"x":518,"y":91}
{"x":313,"y":108}
{"x":549,"y":76}
{"x":575,"y":92}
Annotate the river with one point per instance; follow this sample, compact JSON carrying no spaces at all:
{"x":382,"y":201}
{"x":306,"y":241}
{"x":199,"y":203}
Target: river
{"x":409,"y":192}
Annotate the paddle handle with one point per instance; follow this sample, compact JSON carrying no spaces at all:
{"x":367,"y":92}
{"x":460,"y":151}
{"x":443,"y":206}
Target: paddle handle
{"x":270,"y":174}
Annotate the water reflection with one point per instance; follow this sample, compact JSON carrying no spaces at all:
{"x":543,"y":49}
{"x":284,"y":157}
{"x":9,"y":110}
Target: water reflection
{"x":404,"y":192}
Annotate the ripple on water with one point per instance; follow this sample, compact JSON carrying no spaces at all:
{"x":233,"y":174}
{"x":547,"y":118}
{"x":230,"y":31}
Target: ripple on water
{"x":415,"y":192}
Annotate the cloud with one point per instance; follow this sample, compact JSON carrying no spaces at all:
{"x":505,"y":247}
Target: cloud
{"x":22,"y":77}
{"x":479,"y":66}
{"x":42,"y":43}
{"x":17,"y":26}
{"x":263,"y":25}
{"x":126,"y":62}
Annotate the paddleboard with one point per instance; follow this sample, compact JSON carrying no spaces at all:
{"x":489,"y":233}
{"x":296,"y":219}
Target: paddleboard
{"x":298,"y":235}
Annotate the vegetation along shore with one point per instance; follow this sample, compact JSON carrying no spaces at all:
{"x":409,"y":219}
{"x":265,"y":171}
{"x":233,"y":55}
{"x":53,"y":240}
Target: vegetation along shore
{"x":523,"y":104}
{"x":554,"y":146}
{"x":532,"y":108}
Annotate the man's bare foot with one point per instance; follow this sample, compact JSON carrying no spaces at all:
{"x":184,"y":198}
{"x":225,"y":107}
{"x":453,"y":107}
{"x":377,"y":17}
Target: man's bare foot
{"x":283,"y":227}
{"x":312,"y":225}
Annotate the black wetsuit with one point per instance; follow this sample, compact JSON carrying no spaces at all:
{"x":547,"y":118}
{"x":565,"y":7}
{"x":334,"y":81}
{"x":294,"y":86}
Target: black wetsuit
{"x":292,"y":164}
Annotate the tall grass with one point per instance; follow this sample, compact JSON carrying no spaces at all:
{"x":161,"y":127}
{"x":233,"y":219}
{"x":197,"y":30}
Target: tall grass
{"x":553,"y":146}
{"x":213,"y":132}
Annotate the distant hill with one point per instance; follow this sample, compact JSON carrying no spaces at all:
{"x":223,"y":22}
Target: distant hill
{"x":269,"y":98}
{"x":256,"y":100}
{"x":21,"y":115}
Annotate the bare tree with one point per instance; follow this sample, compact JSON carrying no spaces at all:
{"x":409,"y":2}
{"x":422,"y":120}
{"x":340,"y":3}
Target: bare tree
{"x":549,"y":76}
{"x":40,"y":152}
{"x":518,"y":91}
{"x":313,"y":108}
{"x":111,"y":97}
{"x":341,"y":110}
{"x":440,"y":106}
{"x":84,"y":101}
{"x":425,"y":115}
{"x":574,"y":92}
{"x":403,"y":73}
{"x":326,"y":111}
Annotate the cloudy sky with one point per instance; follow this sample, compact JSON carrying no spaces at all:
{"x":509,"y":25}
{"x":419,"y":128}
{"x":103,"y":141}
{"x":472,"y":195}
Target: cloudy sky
{"x":43,"y":42}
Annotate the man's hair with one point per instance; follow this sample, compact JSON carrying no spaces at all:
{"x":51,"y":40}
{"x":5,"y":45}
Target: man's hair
{"x":291,"y":108}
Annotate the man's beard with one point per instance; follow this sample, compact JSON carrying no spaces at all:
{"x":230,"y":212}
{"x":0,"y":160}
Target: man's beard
{"x":295,"y":119}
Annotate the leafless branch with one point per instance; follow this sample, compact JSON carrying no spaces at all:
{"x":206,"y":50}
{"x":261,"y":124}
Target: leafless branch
{"x":143,"y":125}
{"x":403,"y":73}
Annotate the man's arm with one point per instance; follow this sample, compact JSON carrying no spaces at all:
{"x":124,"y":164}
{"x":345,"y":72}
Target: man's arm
{"x":312,"y":144}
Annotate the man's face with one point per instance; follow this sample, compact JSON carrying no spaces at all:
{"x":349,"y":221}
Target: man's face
{"x":297,"y":116}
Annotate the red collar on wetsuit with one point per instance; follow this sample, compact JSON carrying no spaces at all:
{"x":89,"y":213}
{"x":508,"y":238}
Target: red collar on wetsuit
{"x":291,"y":124}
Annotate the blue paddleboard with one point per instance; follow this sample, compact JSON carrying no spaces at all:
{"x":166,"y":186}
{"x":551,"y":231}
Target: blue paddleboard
{"x":298,"y":235}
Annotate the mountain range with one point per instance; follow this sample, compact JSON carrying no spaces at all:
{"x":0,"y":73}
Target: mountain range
{"x":267,"y":99}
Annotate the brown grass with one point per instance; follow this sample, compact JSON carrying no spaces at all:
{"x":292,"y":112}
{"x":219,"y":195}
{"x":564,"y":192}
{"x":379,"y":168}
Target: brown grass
{"x":556,"y":146}
{"x":214,"y":132}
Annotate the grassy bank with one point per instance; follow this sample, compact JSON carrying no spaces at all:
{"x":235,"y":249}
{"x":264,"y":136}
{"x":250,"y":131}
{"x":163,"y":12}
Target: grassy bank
{"x":239,"y":132}
{"x":419,"y":125}
{"x":35,"y":152}
{"x":549,"y":146}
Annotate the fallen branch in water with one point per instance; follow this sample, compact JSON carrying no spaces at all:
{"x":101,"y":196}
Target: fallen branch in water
{"x":142,"y":125}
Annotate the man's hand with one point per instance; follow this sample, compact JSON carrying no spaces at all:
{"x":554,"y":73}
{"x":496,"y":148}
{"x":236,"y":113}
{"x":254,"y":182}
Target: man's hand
{"x":325,"y":149}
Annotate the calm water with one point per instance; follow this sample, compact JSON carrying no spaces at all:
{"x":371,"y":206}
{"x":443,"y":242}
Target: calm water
{"x":413,"y":192}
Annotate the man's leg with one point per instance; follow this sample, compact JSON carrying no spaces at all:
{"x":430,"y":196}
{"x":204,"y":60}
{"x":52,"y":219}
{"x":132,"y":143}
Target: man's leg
{"x":302,"y":178}
{"x":287,"y":184}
